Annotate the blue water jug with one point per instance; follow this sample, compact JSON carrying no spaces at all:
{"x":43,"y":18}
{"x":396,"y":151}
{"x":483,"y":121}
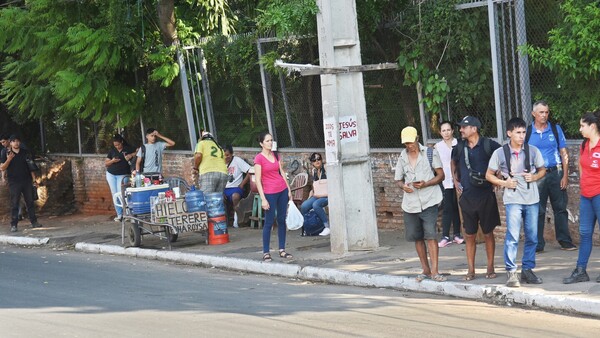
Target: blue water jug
{"x":194,"y":200}
{"x":214,"y":204}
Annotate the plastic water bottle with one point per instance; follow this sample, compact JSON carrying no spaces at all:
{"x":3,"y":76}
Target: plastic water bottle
{"x":138,"y":180}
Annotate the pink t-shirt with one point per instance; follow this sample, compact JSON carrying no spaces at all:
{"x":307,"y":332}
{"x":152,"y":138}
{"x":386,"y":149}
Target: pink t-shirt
{"x":272,"y":181}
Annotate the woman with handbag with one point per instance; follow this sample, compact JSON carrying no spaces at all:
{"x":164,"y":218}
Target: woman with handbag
{"x":274,"y":191}
{"x":118,"y":167}
{"x":317,"y":199}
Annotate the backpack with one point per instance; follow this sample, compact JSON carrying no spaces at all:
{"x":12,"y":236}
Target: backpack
{"x":487,"y":147}
{"x":430,"y":159}
{"x":312,"y":224}
{"x":508,"y":155}
{"x":554,"y":131}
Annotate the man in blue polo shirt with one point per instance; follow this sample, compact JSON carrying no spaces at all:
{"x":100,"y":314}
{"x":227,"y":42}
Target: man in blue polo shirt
{"x":479,"y":207}
{"x":551,"y":142}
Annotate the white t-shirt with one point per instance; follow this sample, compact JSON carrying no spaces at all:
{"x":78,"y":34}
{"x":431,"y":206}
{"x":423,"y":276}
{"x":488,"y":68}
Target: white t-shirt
{"x":446,"y":156}
{"x":237,"y":168}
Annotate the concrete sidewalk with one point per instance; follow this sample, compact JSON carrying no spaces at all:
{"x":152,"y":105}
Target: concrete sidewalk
{"x":393,"y":265}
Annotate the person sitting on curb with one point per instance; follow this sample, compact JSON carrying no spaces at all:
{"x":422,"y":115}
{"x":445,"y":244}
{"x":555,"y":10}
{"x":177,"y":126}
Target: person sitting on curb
{"x":521,"y":165}
{"x":420,"y":201}
{"x":317,"y":199}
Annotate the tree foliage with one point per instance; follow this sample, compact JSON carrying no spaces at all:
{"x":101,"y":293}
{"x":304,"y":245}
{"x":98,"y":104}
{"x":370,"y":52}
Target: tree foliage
{"x":94,"y":59}
{"x":572,"y":55}
{"x":288,"y":18}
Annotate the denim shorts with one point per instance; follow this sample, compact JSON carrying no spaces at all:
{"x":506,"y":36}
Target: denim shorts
{"x":421,"y":226}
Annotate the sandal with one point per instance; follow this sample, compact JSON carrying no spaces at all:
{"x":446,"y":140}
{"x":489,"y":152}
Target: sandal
{"x":438,"y":278}
{"x":284,"y":254}
{"x":470,"y":276}
{"x":421,"y":277}
{"x":267,"y":257}
{"x":490,"y":275}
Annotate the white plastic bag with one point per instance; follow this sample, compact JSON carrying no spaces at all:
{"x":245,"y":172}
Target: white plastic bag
{"x":294,"y":218}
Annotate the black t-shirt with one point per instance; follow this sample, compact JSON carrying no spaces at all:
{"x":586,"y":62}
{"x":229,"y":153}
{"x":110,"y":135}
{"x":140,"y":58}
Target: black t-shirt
{"x":122,"y":167}
{"x":316,"y":174}
{"x":17,"y":170}
{"x":478,"y":160}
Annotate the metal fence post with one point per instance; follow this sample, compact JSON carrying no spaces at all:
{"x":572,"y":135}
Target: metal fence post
{"x":495,"y":75}
{"x":523,"y":60}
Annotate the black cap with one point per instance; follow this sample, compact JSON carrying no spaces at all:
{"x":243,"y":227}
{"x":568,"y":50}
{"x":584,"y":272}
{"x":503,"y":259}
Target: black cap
{"x":470,"y":121}
{"x":150,"y":131}
{"x":14,"y":137}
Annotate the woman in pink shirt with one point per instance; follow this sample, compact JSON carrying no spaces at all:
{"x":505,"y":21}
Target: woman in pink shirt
{"x":274,"y":192}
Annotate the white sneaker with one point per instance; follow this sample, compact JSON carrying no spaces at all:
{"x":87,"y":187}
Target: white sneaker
{"x":235,"y":223}
{"x":325,"y":232}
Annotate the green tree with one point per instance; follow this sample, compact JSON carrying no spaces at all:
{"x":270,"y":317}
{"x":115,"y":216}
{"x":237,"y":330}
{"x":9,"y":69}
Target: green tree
{"x":572,"y":54}
{"x":96,"y":59}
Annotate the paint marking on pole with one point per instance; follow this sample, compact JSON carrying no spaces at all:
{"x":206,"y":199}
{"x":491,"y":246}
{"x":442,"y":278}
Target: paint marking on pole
{"x":348,"y":126}
{"x":331,"y":140}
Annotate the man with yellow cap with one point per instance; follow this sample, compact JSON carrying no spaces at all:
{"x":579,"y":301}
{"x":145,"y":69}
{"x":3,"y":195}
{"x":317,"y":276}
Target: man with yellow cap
{"x":418,"y":174}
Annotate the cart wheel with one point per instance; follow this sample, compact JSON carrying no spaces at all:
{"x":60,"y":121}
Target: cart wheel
{"x":135,"y":237}
{"x":172,"y":236}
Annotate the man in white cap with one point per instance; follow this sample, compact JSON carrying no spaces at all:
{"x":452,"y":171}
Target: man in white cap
{"x":419,"y":179}
{"x":209,"y":162}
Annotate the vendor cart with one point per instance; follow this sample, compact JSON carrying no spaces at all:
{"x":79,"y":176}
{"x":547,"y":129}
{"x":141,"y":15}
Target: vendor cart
{"x":145,"y":214}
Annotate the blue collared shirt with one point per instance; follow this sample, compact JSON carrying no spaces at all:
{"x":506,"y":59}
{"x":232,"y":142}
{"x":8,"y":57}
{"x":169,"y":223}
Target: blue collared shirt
{"x":545,"y":141}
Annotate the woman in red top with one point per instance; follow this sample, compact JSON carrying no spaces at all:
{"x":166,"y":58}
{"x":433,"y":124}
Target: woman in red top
{"x":274,"y":192}
{"x":589,"y":204}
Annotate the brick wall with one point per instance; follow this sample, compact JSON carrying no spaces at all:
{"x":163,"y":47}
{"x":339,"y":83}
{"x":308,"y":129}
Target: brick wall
{"x":89,"y":186}
{"x":90,"y":192}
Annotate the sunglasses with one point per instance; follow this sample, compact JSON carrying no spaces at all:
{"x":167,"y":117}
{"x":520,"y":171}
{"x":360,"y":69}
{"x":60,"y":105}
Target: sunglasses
{"x":315,"y":159}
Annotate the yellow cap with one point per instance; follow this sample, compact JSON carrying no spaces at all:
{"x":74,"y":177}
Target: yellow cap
{"x":409,"y":134}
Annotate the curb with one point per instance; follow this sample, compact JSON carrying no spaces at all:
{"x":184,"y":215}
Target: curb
{"x":14,"y":240}
{"x":490,"y":293}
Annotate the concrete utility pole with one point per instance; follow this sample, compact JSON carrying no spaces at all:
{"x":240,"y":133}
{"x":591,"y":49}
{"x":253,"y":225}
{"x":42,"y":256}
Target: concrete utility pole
{"x":351,"y":198}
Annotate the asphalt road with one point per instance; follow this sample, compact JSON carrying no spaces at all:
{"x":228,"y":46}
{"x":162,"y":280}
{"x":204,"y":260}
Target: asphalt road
{"x":46,"y":293}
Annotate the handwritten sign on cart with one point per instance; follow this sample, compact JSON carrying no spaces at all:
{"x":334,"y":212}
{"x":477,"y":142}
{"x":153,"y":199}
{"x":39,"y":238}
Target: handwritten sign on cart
{"x":176,"y":214}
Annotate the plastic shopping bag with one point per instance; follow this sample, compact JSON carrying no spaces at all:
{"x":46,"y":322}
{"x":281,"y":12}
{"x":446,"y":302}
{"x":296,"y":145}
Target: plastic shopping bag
{"x":294,"y":218}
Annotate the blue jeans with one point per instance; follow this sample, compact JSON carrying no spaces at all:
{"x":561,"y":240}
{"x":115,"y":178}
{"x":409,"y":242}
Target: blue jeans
{"x":114,"y":182}
{"x":450,"y":214}
{"x":589,"y":214}
{"x":549,"y":186}
{"x":277,"y":206}
{"x":515,"y":215}
{"x":316,"y":204}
